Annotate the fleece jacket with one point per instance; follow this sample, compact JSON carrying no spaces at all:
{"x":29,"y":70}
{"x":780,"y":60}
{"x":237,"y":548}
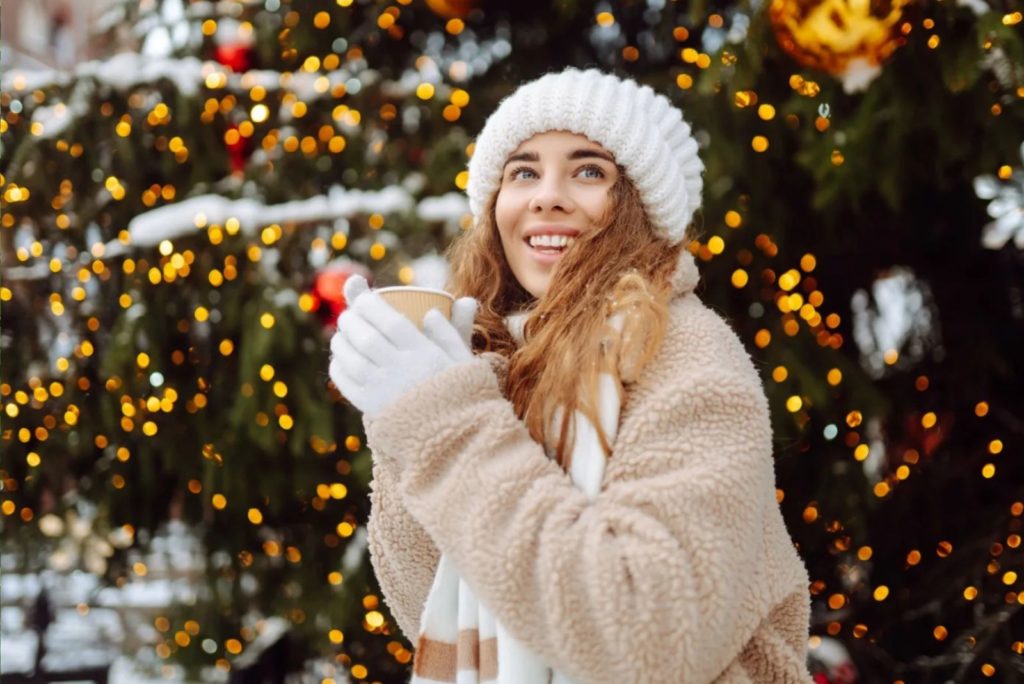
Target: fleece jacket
{"x":681,"y":570}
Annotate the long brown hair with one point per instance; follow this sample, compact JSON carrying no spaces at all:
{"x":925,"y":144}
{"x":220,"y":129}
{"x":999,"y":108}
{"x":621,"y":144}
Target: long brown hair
{"x":622,"y":267}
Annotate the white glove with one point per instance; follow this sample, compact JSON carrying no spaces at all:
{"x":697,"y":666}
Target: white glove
{"x":378,"y":355}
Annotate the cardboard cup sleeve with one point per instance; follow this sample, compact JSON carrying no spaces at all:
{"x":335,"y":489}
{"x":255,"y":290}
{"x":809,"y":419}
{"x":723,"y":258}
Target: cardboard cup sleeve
{"x":415,"y":302}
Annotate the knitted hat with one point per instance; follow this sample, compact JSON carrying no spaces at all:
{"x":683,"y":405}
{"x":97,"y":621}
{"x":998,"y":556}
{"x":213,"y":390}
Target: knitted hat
{"x":645,"y":133}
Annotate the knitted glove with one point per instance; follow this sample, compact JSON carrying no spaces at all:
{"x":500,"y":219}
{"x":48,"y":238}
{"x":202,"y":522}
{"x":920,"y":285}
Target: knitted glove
{"x":377,"y":354}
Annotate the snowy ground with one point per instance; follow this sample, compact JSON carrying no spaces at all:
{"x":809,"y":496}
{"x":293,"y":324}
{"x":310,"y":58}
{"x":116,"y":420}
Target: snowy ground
{"x":125,"y":671}
{"x":95,"y":625}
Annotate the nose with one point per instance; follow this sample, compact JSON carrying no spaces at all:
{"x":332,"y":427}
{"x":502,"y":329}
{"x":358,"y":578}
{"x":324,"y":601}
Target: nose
{"x":551,"y":195}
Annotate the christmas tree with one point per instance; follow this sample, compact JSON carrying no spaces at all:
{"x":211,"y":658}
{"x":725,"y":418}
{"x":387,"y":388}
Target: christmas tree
{"x":179,"y":219}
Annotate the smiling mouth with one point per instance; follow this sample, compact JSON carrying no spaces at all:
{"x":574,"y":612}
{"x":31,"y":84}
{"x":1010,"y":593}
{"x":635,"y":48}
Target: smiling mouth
{"x":549,"y":244}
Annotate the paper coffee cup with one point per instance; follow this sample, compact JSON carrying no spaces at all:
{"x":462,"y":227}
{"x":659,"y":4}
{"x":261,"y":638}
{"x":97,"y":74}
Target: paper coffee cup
{"x":415,"y":302}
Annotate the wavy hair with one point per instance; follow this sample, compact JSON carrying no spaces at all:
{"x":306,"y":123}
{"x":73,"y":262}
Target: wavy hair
{"x":622,"y":268}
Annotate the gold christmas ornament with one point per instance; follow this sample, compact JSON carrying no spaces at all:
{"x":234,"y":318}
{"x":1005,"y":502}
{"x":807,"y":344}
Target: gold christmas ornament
{"x":849,"y":39}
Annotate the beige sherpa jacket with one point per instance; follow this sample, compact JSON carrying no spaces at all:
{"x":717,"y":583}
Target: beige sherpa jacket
{"x":681,"y":571}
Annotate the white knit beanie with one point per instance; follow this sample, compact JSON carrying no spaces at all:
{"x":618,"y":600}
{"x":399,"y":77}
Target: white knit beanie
{"x":645,"y":133}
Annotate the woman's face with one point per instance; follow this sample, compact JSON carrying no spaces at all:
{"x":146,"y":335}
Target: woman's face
{"x":554,"y":187}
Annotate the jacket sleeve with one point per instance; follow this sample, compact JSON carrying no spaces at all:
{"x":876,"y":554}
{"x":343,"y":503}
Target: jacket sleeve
{"x":403,"y":556}
{"x":654,"y":580}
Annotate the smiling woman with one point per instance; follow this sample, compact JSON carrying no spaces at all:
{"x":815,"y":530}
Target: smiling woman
{"x":586,"y":494}
{"x":618,"y":272}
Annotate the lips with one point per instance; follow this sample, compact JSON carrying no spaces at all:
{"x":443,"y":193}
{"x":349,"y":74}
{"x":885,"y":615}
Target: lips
{"x":545,"y":255}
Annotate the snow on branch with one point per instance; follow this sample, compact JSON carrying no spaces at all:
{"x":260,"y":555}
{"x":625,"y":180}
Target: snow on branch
{"x":128,"y":70}
{"x":177,"y":220}
{"x":121,"y":72}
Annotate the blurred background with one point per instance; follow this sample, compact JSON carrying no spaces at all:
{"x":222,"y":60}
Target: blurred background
{"x":187,"y":185}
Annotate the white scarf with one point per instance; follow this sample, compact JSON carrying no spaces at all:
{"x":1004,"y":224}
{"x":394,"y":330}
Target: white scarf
{"x":460,"y":640}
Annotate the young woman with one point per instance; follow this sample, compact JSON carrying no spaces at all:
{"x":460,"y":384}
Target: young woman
{"x":588,"y":495}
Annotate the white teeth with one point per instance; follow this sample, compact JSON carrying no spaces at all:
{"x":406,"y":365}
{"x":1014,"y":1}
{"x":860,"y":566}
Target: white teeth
{"x":551,"y":240}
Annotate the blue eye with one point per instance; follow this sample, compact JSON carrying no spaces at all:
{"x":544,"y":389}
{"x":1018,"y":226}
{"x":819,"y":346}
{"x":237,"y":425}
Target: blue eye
{"x":591,"y":167}
{"x":516,"y":171}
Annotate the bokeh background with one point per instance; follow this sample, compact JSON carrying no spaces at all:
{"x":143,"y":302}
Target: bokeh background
{"x":187,"y":185}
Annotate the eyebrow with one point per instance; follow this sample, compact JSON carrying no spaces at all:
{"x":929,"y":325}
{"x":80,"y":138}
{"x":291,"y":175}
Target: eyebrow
{"x":572,"y":156}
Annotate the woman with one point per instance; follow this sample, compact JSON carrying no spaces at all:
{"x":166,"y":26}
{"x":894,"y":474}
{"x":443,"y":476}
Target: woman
{"x":597,"y":473}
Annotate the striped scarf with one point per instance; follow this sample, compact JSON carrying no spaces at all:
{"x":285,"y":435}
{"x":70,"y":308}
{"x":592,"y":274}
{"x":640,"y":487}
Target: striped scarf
{"x":460,"y":640}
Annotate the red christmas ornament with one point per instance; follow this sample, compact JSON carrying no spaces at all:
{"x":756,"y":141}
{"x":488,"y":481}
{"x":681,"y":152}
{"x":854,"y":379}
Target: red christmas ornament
{"x":329,"y":288}
{"x":416,"y":155}
{"x":235,"y":56}
{"x":239,"y":149}
{"x":929,"y":439}
{"x":846,"y":673}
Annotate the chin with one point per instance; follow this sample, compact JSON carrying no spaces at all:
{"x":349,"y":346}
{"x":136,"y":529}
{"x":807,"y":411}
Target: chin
{"x":537,"y":290}
{"x":531,"y":277}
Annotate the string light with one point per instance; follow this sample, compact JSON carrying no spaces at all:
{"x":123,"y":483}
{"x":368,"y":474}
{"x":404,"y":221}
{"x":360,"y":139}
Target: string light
{"x":790,"y":305}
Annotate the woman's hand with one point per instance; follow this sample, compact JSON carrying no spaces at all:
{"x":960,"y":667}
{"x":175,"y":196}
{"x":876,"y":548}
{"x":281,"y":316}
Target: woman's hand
{"x":377,"y":354}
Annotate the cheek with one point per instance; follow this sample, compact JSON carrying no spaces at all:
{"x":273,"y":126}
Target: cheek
{"x":595,"y":204}
{"x":506,"y":214}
